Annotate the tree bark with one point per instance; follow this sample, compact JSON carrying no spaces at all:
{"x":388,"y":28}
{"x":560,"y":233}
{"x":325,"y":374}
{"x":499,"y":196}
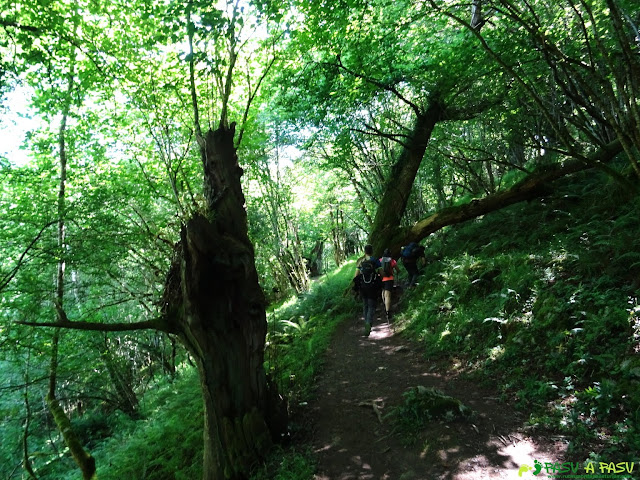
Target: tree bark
{"x":533,"y":186}
{"x":315,"y":259}
{"x":403,"y":174}
{"x":216,"y":306}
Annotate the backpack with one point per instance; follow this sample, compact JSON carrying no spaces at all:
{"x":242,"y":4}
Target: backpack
{"x":369,"y":281}
{"x":410,"y":252}
{"x":368,"y":270}
{"x":386,"y":266}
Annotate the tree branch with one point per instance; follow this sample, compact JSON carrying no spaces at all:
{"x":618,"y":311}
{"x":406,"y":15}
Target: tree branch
{"x":533,"y":186}
{"x":159,"y":323}
{"x":9,"y":276}
{"x":5,"y":22}
{"x":192,"y":80}
{"x":379,"y":84}
{"x":394,"y":137}
{"x":252,"y":96}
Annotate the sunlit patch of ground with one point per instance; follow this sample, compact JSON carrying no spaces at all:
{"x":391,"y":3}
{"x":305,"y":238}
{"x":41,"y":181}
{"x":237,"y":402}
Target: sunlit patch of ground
{"x":381,"y":331}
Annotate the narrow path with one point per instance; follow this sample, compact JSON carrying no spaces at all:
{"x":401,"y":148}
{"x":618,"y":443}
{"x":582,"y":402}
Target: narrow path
{"x":352,"y":439}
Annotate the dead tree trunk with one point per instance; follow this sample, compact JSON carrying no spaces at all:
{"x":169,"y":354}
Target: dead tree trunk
{"x":214,"y":303}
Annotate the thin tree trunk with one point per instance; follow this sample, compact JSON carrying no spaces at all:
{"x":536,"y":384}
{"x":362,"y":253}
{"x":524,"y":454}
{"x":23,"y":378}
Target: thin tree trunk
{"x":83,"y":459}
{"x":26,"y":462}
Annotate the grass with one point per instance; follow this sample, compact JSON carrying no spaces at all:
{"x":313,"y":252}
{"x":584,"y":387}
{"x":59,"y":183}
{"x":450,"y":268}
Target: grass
{"x":542,"y":299}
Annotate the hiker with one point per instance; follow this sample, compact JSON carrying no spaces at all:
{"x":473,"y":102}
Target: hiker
{"x":421,"y":260}
{"x":410,"y":255}
{"x":389,"y":266}
{"x":367,"y":283}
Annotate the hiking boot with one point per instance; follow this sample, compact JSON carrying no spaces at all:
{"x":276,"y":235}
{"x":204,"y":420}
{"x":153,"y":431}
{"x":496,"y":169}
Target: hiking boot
{"x":367,"y":329}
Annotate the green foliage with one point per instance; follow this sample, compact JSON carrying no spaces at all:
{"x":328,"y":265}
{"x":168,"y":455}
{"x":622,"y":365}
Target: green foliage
{"x":300,"y":330}
{"x":166,"y":443}
{"x":286,"y":465}
{"x":92,"y":427}
{"x":536,"y":299}
{"x":551,"y":297}
{"x":421,"y":406}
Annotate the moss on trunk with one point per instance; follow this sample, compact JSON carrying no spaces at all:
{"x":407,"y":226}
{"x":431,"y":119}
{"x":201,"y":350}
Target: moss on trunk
{"x":84,"y":460}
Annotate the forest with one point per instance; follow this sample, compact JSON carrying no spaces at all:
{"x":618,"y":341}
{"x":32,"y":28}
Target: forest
{"x":185,"y":186}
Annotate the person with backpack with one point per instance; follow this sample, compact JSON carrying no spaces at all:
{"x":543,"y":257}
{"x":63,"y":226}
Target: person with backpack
{"x":421,"y":260}
{"x":410,"y":254}
{"x":389,"y":266}
{"x":369,"y":285}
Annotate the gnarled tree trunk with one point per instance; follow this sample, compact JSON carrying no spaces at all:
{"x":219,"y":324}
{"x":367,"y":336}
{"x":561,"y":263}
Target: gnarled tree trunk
{"x":215,"y":304}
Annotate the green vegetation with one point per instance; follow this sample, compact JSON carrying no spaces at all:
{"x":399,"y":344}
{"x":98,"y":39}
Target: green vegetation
{"x":300,"y":331}
{"x":421,"y":406}
{"x":166,"y":440}
{"x":170,"y":169}
{"x":548,"y":314}
{"x":165,"y":443}
{"x":542,"y":299}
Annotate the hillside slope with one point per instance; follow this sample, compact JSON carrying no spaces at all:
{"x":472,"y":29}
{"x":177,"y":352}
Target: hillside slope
{"x":541,"y":299}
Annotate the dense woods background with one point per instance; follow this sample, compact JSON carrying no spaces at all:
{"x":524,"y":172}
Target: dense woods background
{"x":351,"y":121}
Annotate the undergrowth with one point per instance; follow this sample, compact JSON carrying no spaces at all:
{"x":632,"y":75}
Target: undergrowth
{"x":300,"y":330}
{"x":421,"y":406}
{"x":299,"y":333}
{"x":166,"y":442}
{"x":542,"y":299}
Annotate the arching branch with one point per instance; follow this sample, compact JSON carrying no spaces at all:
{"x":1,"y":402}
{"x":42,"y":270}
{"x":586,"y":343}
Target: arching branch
{"x":533,"y":186}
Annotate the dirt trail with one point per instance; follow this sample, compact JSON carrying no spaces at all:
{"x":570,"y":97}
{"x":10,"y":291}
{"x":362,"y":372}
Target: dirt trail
{"x":353,"y":440}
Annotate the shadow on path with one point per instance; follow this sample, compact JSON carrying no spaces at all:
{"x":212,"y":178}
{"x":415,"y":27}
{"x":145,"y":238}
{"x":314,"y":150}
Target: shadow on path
{"x":364,"y":378}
